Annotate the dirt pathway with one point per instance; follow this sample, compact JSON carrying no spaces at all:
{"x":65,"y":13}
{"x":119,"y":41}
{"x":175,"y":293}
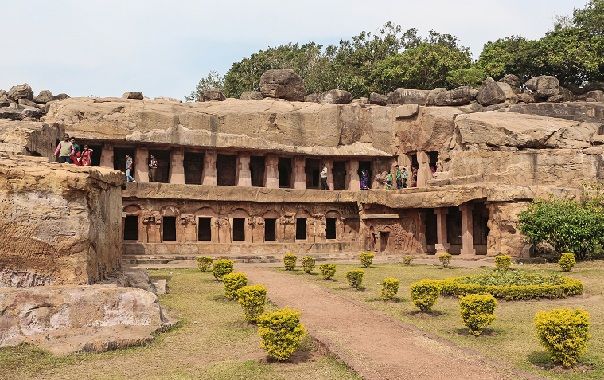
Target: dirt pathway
{"x":372,"y":344}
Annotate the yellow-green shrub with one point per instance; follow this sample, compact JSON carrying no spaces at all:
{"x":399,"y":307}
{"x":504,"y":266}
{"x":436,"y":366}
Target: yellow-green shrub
{"x":424,"y":293}
{"x":232,"y":283}
{"x":503,"y":262}
{"x":204,"y":263}
{"x":308,"y":263}
{"x":389,"y":288}
{"x":477,"y":311}
{"x":366,"y":259}
{"x":281,"y":332}
{"x":444,"y":258}
{"x":289,"y":261}
{"x":567,"y":262}
{"x":355,"y":278}
{"x":327,"y":270}
{"x":252,"y":298}
{"x":407,"y":259}
{"x":222,"y":267}
{"x":564,"y":333}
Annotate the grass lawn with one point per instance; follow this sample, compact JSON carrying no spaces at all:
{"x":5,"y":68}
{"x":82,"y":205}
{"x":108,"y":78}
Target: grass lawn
{"x":511,"y":336}
{"x":212,"y":342}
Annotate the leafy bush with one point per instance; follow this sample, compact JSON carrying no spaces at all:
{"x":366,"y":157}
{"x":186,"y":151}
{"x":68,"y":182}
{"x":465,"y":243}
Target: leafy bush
{"x":204,"y":263}
{"x":568,"y":225}
{"x":389,"y":288}
{"x":477,"y":311}
{"x":289,"y":261}
{"x":327,"y":270}
{"x":424,"y":293}
{"x":232,"y":283}
{"x":513,"y":285}
{"x":355,"y":278}
{"x":444,"y":258}
{"x":366,"y":259}
{"x":222,"y":267}
{"x":473,"y":76}
{"x":252,"y":298}
{"x":308,"y":263}
{"x":564,"y":333}
{"x":567,"y":262}
{"x":503,"y":262}
{"x":281,"y":332}
{"x":407,"y":259}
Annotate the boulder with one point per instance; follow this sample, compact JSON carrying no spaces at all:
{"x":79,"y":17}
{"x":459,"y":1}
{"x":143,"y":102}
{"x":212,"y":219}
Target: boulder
{"x":379,"y":99}
{"x":211,"y":94}
{"x":251,"y":95}
{"x":525,"y":97}
{"x":43,"y":97}
{"x":61,"y":96}
{"x":408,"y":96}
{"x":361,"y":100}
{"x":472,"y":107}
{"x":543,"y":86}
{"x":336,"y":96}
{"x":282,"y":84}
{"x":406,"y":111}
{"x":579,"y":111}
{"x":512,"y":80}
{"x":313,"y":98}
{"x":135,"y":95}
{"x":10,"y":113}
{"x":456,"y":97}
{"x":565,"y":95}
{"x":27,"y":103}
{"x":510,"y":94}
{"x":595,"y":96}
{"x":22,"y":91}
{"x":490,"y":93}
{"x":32,"y":113}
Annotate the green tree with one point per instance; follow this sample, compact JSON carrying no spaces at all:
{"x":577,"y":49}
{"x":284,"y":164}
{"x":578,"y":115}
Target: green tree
{"x":509,"y":55}
{"x":212,"y":81}
{"x":473,"y":76}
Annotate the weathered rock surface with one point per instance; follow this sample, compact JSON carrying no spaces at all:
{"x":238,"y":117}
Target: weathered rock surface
{"x":511,"y":80}
{"x":579,"y":111}
{"x":408,"y":96}
{"x":336,"y":97}
{"x":135,"y":95}
{"x":379,"y":99}
{"x":456,"y":97}
{"x":251,"y":95}
{"x":431,"y":130}
{"x":43,"y":97}
{"x":313,"y":98}
{"x":490,"y":93}
{"x":543,"y":86}
{"x":212,"y":94}
{"x":67,"y":319}
{"x":22,"y":91}
{"x":282,"y":84}
{"x":595,"y":96}
{"x":29,"y":138}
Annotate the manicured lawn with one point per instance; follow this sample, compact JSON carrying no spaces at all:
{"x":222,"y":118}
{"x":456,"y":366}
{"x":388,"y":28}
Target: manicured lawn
{"x":511,"y":337}
{"x":212,"y":342}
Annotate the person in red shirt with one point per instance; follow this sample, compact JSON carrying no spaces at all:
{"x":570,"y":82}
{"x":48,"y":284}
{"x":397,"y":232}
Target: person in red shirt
{"x":86,"y":156}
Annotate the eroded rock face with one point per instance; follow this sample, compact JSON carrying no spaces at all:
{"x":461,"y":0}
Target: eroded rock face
{"x":408,"y":96}
{"x":209,"y":95}
{"x":29,"y":137}
{"x":67,"y":319}
{"x":282,"y":84}
{"x":135,"y":95}
{"x":579,"y":111}
{"x":43,"y":97}
{"x":336,"y":97}
{"x":504,"y":236}
{"x":22,"y":91}
{"x":379,"y":99}
{"x":251,"y":95}
{"x":456,"y":97}
{"x":490,"y":93}
{"x":544,"y":86}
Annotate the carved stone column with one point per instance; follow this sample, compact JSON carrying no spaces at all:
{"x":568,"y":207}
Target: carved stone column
{"x":107,"y":156}
{"x":271,"y":171}
{"x":329,"y":164}
{"x":177,"y":169}
{"x":244,"y":174}
{"x":353,"y":183}
{"x":423,"y":173}
{"x":299,"y":173}
{"x":467,"y":230}
{"x":442,"y":244}
{"x":141,"y":165}
{"x":209,"y":168}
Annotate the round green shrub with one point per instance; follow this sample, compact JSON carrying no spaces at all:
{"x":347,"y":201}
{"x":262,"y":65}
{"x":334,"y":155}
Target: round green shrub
{"x":503,"y":262}
{"x":366,"y":259}
{"x":308,"y":263}
{"x":477,"y":311}
{"x":564,"y":334}
{"x":289,"y":261}
{"x":424,"y":293}
{"x":327,"y":270}
{"x":204,"y":263}
{"x":233,"y":282}
{"x":389,"y":288}
{"x":252,"y":298}
{"x":407,"y":259}
{"x":355,"y":278}
{"x":281,"y":332}
{"x":444,"y":258}
{"x":222,"y":267}
{"x":567,"y":262}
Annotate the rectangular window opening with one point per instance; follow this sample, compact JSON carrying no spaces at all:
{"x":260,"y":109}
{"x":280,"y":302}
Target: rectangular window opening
{"x":204,"y":229}
{"x":300,"y":228}
{"x":169,"y":228}
{"x":193,"y":164}
{"x":257,"y":168}
{"x":131,"y":228}
{"x":285,"y":172}
{"x":330,"y":228}
{"x":238,"y":229}
{"x":270,"y":225}
{"x":226,"y":168}
{"x":162,"y":172}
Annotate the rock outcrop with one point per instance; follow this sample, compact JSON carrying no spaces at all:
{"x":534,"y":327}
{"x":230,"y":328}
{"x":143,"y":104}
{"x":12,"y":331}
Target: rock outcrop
{"x":134,"y":95}
{"x":22,"y":91}
{"x":543,"y":86}
{"x":408,"y":96}
{"x":490,"y":93}
{"x":211,"y":94}
{"x":456,"y":97}
{"x":29,"y":137}
{"x":282,"y":84}
{"x":379,"y":99}
{"x":336,"y":97}
{"x":251,"y":95}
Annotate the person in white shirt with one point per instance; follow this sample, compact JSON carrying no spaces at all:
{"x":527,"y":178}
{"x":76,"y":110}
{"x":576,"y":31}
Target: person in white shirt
{"x":323,"y":176}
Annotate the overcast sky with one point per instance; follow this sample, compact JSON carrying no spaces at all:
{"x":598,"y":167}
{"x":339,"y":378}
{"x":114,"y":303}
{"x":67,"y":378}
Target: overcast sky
{"x":106,"y":47}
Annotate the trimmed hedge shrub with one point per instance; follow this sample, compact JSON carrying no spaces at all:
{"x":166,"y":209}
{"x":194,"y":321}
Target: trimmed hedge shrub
{"x":366,"y":259}
{"x":327,"y":270}
{"x":308,"y":263}
{"x":204,"y":263}
{"x":281,"y":332}
{"x":289,"y":261}
{"x":232,"y":283}
{"x":567,"y":262}
{"x":444,"y":258}
{"x":513,"y":285}
{"x":424,"y":293}
{"x":222,"y":267}
{"x":355,"y":278}
{"x":564,"y":334}
{"x":477,"y":311}
{"x":389,"y":288}
{"x":503,"y":262}
{"x":407,"y":259}
{"x":252,"y":298}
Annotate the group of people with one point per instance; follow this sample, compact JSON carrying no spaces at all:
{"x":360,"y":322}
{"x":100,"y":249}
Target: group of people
{"x":130,"y":166}
{"x":394,"y":179}
{"x":70,"y":152}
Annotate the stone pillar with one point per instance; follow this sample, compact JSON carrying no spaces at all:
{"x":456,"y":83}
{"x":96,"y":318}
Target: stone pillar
{"x":353,"y":183}
{"x":177,"y":169}
{"x":442,"y":244}
{"x":299,"y":173}
{"x":329,"y":164}
{"x":244,"y":174}
{"x":467,"y":230}
{"x":209,"y":168}
{"x":141,"y":165}
{"x":271,"y":171}
{"x":423,"y":173}
{"x":107,"y":156}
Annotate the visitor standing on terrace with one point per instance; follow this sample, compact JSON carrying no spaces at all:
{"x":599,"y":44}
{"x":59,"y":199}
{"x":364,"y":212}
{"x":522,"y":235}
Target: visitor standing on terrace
{"x":323,"y":178}
{"x":152,"y":168}
{"x":129,"y":177}
{"x":399,"y":177}
{"x":364,"y":180}
{"x":63,"y":150}
{"x":86,"y":156}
